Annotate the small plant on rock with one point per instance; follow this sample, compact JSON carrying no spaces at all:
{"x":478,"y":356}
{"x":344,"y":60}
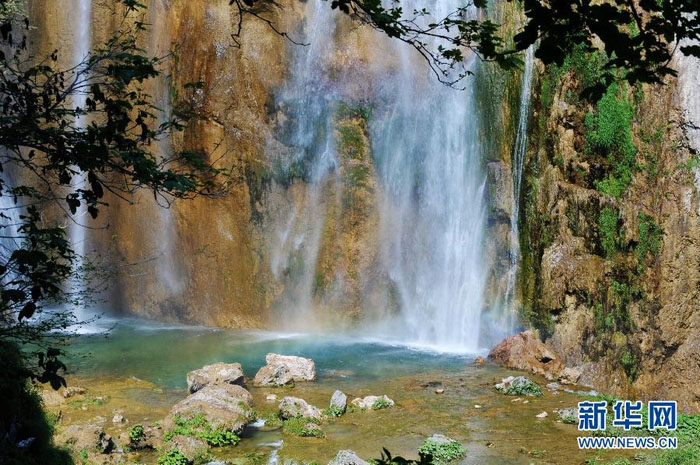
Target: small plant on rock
{"x":136,"y":434}
{"x":303,"y":427}
{"x":442,"y":449}
{"x":174,"y":457}
{"x":334,"y":411}
{"x":381,"y":404}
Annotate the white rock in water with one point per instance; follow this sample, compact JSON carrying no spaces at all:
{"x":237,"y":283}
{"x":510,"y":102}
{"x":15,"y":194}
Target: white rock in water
{"x":339,"y":401}
{"x":300,"y":368}
{"x":541,"y":415}
{"x":369,"y":402}
{"x":214,"y":375}
{"x":118,"y":418}
{"x":291,"y":407}
{"x":271,"y":397}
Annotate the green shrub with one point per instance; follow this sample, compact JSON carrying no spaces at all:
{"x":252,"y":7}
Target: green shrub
{"x":298,"y":427}
{"x":136,"y":434}
{"x":609,"y":133}
{"x":520,"y":386}
{"x":630,"y":363}
{"x":174,"y":457}
{"x":219,"y":438}
{"x":442,"y":451}
{"x":607,"y":226}
{"x":334,"y":411}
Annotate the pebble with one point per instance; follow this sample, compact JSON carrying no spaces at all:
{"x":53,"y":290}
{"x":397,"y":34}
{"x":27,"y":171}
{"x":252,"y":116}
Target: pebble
{"x":541,"y":415}
{"x":439,"y":391}
{"x":526,"y":401}
{"x":477,"y":406}
{"x":517,"y":399}
{"x":118,"y":418}
{"x":271,"y":397}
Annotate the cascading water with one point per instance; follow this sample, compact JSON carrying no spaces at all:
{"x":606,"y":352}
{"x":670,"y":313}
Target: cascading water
{"x":508,"y":321}
{"x":426,"y":148}
{"x":81,"y":48}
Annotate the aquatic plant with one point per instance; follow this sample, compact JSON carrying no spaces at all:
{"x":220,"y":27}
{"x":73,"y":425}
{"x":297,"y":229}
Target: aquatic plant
{"x":381,"y":404}
{"x":198,"y":427}
{"x":334,"y":411}
{"x":520,"y":386}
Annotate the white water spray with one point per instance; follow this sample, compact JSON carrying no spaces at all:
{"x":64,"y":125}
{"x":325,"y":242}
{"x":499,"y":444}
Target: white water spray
{"x":81,"y":48}
{"x":519,"y":150}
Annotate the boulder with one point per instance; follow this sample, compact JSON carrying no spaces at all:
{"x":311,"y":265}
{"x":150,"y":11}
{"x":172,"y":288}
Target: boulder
{"x":339,"y":401}
{"x":347,"y":457}
{"x":518,"y":386}
{"x":212,"y":375}
{"x":525,"y":351}
{"x":226,"y":406}
{"x":479,"y":361}
{"x":569,"y":375}
{"x":273,"y":375}
{"x":291,"y":407}
{"x":89,"y":437}
{"x":71,"y":391}
{"x":192,"y":448}
{"x":373,"y":402}
{"x":301,"y":369}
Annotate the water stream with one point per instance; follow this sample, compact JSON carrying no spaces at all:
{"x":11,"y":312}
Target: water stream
{"x":427,"y":152}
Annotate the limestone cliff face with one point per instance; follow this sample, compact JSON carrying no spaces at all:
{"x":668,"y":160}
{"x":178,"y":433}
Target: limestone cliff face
{"x":611,"y":245}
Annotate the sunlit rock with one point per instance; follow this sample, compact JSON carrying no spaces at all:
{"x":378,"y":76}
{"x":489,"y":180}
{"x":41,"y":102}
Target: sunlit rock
{"x":373,"y":402}
{"x":225,"y":406}
{"x":301,"y":369}
{"x":525,"y":351}
{"x":273,"y":375}
{"x":291,"y":407}
{"x":86,"y":437}
{"x":339,"y":401}
{"x":218,"y":373}
{"x":569,"y":375}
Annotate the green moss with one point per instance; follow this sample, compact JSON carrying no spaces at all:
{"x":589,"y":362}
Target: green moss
{"x":649,"y":240}
{"x":630,"y":364}
{"x":442,"y":451}
{"x":298,"y":427}
{"x":198,"y":427}
{"x":351,"y":141}
{"x":608,"y":228}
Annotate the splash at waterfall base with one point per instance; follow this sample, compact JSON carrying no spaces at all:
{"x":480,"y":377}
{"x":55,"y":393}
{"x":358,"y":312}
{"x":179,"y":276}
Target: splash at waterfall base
{"x":434,"y":393}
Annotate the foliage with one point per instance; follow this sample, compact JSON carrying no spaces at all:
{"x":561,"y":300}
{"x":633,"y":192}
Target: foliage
{"x":334,"y":411}
{"x":197,"y":426}
{"x":22,"y":415}
{"x":72,"y":136}
{"x":298,"y":426}
{"x":442,"y":451}
{"x":630,"y":363}
{"x":608,"y":227}
{"x":381,"y":404}
{"x":609,"y":133}
{"x":136,"y":434}
{"x":255,"y":458}
{"x":173,"y":457}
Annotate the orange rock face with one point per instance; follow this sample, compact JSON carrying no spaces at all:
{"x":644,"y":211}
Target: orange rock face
{"x":525,"y":351}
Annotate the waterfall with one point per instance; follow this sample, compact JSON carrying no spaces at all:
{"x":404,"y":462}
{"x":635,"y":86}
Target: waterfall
{"x":519,"y":150}
{"x":9,"y":236}
{"x":82,"y":43}
{"x":426,"y":148}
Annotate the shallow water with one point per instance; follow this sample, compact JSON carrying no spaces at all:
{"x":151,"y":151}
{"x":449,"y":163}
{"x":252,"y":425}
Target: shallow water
{"x":139,"y":370}
{"x":164,"y":354}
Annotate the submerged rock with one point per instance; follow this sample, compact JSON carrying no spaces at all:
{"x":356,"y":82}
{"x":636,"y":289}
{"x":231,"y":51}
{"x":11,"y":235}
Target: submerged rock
{"x":215,"y":374}
{"x":71,"y":391}
{"x":373,"y":402}
{"x":88,"y":437}
{"x":541,"y":415}
{"x":347,"y":457}
{"x":568,"y":415}
{"x":225,"y":406}
{"x":525,"y":351}
{"x":291,"y":407}
{"x":518,"y":386}
{"x":339,"y":402}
